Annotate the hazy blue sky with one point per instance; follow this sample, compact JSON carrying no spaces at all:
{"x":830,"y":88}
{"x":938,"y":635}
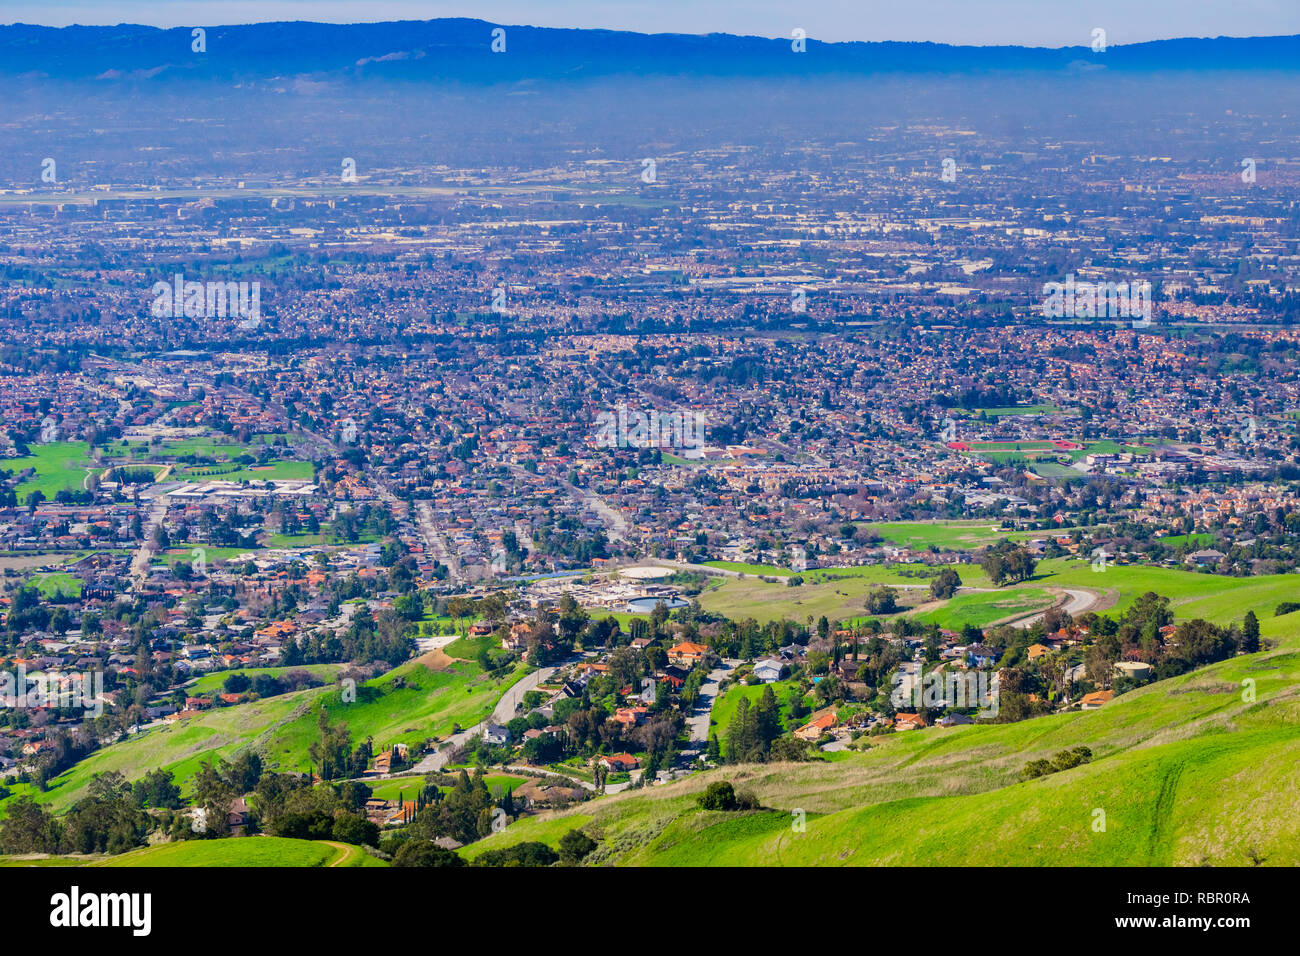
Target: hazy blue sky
{"x":1035,"y":22}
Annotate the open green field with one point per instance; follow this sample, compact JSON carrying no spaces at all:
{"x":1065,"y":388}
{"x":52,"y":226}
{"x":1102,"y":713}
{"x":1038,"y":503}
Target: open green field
{"x":275,"y":471}
{"x":979,"y":609}
{"x":1187,"y":772}
{"x":1107,"y":447}
{"x":174,"y":556}
{"x":53,"y":584}
{"x":947,"y":535}
{"x":1052,"y":469}
{"x":972,"y":575}
{"x":243,"y":851}
{"x":1004,"y":446}
{"x":838,"y":593}
{"x":1036,"y":451}
{"x":212,"y":683}
{"x":216,"y":449}
{"x":1217,"y":598}
{"x":1019,"y":410}
{"x":1214,"y":597}
{"x":58,"y":466}
{"x":740,"y":598}
{"x":1193,"y":540}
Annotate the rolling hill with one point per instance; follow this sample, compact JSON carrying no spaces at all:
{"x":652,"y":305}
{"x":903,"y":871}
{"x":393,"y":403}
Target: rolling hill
{"x":1188,"y":771}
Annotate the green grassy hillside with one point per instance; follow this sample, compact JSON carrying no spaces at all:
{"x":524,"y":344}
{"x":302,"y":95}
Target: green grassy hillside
{"x":1186,"y":771}
{"x":409,"y":703}
{"x":250,"y":851}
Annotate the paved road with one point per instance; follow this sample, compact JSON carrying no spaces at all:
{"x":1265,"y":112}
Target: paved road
{"x":144,"y":557}
{"x":1077,"y":602}
{"x":698,"y":724}
{"x":615,"y":524}
{"x":505,"y":711}
{"x":434,"y":540}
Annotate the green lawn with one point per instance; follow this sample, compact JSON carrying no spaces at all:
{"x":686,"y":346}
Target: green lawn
{"x":981,"y":609}
{"x":1052,"y":469}
{"x":947,"y":535}
{"x":55,"y":583}
{"x":1020,"y":410}
{"x":724,"y":708}
{"x":275,"y":471}
{"x":59,"y":466}
{"x":216,"y":449}
{"x":173,"y":556}
{"x":244,"y":852}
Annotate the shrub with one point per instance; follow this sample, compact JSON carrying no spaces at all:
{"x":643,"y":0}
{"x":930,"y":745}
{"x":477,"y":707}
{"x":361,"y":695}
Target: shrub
{"x":521,"y":854}
{"x":718,"y":796}
{"x":425,"y":853}
{"x":350,"y":828}
{"x":574,"y":847}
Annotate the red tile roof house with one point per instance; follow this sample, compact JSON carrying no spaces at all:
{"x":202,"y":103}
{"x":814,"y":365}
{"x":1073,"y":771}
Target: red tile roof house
{"x":687,"y":653}
{"x":617,"y":762}
{"x":630,"y":716}
{"x":909,"y":721}
{"x":814,"y":729}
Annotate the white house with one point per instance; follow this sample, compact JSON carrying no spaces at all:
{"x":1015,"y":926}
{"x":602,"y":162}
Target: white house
{"x":768,"y":671}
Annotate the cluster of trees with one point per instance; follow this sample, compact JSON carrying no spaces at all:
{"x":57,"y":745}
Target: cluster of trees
{"x":109,"y":819}
{"x":465,"y":813}
{"x":591,"y":729}
{"x":268,"y":685}
{"x":332,"y":754}
{"x":882,"y":601}
{"x":1007,"y":561}
{"x":575,"y":846}
{"x":944,"y":584}
{"x":754,"y":729}
{"x":1136,"y":634}
{"x":756,"y":733}
{"x":115,"y":816}
{"x":384,"y":637}
{"x":568,"y":539}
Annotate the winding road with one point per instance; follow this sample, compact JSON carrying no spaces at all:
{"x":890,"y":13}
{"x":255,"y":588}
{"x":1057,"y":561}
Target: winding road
{"x":504,"y":711}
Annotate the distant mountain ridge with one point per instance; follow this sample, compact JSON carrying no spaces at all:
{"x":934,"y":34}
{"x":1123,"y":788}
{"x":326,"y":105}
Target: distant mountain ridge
{"x":458,"y":50}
